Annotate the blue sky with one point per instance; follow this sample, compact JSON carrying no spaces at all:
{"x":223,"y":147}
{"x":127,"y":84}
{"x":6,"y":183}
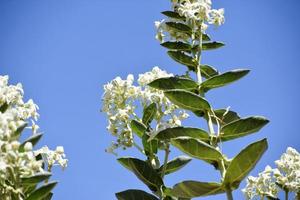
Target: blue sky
{"x":63,"y":51}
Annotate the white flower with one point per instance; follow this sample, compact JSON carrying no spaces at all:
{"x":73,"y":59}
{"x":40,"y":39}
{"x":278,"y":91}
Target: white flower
{"x":14,"y":114}
{"x":217,"y":17}
{"x":122,"y":101}
{"x":261,"y":186}
{"x":28,"y":146}
{"x":56,"y":157}
{"x":196,"y":14}
{"x":288,"y":173}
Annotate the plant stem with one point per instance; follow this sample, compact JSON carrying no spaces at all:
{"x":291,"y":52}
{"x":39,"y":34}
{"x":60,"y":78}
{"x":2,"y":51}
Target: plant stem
{"x":210,"y":124}
{"x":167,"y":152}
{"x":229,"y":194}
{"x":198,"y":57}
{"x":298,"y":196}
{"x":286,"y":194}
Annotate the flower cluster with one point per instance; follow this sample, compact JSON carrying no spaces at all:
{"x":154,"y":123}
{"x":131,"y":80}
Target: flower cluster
{"x":122,"y":101}
{"x":56,"y":157}
{"x":17,"y":159}
{"x":286,"y":177}
{"x":288,"y":170}
{"x":262,"y":186}
{"x":194,"y":13}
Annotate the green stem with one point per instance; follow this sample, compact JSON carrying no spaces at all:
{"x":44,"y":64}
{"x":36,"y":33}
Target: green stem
{"x":229,"y":194}
{"x":210,"y":124}
{"x":286,"y":194}
{"x":298,"y":196}
{"x":167,"y":152}
{"x":198,"y":58}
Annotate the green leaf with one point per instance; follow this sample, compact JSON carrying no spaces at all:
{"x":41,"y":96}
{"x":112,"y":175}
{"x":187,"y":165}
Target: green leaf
{"x":151,"y":146}
{"x":138,"y":128}
{"x":242,"y":127}
{"x":175,"y":164}
{"x":171,"y":133}
{"x":173,"y":15}
{"x":208,"y":71}
{"x":169,"y":83}
{"x":184,"y":59}
{"x":223,"y":79}
{"x":212,"y":45}
{"x":41,"y":192}
{"x":187,"y":100}
{"x":224,"y":116}
{"x":192,"y":189}
{"x":34,"y":139}
{"x":179,"y":27}
{"x":197,"y":149}
{"x":244,"y":162}
{"x":35,"y":179}
{"x":179,"y":46}
{"x":143,"y":171}
{"x":149,"y":113}
{"x":205,"y":37}
{"x":49,"y":196}
{"x":135,"y":195}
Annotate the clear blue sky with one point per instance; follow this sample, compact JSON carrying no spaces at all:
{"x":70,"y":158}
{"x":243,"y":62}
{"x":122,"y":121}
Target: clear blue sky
{"x":63,"y":51}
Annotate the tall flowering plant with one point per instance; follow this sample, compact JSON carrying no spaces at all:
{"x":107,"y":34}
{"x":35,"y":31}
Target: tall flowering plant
{"x":148,"y":116}
{"x":24,"y":171}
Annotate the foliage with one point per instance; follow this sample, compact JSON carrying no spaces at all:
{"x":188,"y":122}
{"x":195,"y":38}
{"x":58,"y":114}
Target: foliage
{"x":183,"y":35}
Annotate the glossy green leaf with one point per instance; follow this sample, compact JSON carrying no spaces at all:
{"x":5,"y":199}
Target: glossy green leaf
{"x":135,"y":195}
{"x":179,"y":46}
{"x":179,"y":27}
{"x":41,"y":192}
{"x":184,"y":59}
{"x":192,"y":189}
{"x":35,"y":179}
{"x":197,"y":149}
{"x":169,"y":83}
{"x":208,"y":71}
{"x":49,"y":196}
{"x":173,"y":15}
{"x":224,"y":116}
{"x":212,"y":45}
{"x":242,"y":127}
{"x":205,"y":37}
{"x":150,"y":146}
{"x":149,"y":113}
{"x":244,"y":162}
{"x":138,"y":128}
{"x":143,"y":171}
{"x":187,"y":100}
{"x":34,"y":139}
{"x":223,"y":79}
{"x":171,"y":133}
{"x":175,"y":164}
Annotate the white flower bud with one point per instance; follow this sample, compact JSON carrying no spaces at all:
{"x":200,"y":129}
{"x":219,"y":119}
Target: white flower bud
{"x":28,"y":146}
